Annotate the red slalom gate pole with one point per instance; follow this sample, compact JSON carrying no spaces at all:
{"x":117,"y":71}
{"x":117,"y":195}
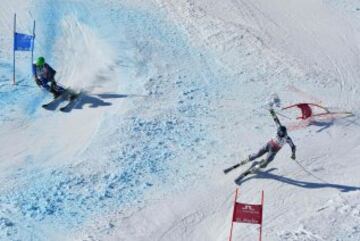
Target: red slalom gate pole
{"x":232,"y":217}
{"x":262,"y":213}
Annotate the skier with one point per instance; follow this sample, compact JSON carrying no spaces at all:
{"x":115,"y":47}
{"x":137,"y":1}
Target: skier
{"x":272,"y":147}
{"x":44,"y":74}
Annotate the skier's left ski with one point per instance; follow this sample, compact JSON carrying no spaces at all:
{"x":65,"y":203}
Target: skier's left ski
{"x":242,"y":175}
{"x":251,"y":170}
{"x":227,"y":170}
{"x":74,"y":99}
{"x":53,"y":104}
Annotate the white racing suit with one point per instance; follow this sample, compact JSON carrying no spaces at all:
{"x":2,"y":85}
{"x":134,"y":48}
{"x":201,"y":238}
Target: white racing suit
{"x":272,"y":147}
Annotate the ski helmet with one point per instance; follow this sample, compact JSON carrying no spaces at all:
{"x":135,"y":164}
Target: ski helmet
{"x":281,"y":131}
{"x":40,"y":61}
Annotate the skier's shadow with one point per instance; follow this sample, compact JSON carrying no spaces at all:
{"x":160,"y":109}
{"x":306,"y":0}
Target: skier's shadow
{"x":99,"y":100}
{"x":311,"y":185}
{"x":323,"y":124}
{"x":326,"y":124}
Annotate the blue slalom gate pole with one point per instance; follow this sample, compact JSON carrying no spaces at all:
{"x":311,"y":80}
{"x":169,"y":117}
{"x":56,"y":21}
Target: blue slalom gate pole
{"x":33,"y":46}
{"x":14,"y":81}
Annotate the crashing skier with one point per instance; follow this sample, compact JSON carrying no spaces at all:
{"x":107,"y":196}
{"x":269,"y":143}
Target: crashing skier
{"x":271,"y":148}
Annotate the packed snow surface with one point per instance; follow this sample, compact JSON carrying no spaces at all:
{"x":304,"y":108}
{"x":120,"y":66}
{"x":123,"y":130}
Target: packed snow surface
{"x":174,"y":91}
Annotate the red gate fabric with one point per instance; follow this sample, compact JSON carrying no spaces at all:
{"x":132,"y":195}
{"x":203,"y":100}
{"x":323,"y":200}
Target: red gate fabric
{"x":305,"y":110}
{"x":247,"y":213}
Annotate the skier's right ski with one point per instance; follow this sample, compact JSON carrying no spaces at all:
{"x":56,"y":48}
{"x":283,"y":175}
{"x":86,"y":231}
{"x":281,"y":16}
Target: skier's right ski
{"x":73,"y":100}
{"x":227,"y":170}
{"x":53,"y":104}
{"x":242,"y":175}
{"x":254,"y":168}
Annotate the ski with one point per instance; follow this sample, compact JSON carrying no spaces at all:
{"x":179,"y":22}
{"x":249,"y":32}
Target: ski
{"x":74,"y":99}
{"x":53,"y":104}
{"x":251,"y":170}
{"x":254,"y":168}
{"x":68,"y":95}
{"x":227,"y":170}
{"x":242,"y":175}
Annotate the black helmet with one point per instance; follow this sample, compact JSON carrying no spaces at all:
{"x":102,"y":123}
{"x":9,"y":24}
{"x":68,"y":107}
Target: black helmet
{"x":281,"y":131}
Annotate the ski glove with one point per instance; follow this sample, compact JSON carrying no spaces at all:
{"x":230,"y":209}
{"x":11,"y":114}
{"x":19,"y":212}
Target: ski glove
{"x":272,"y":112}
{"x":37,"y":81}
{"x":293,"y":156}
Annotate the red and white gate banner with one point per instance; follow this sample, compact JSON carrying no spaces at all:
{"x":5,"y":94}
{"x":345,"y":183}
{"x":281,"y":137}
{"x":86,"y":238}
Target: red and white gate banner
{"x":247,"y":213}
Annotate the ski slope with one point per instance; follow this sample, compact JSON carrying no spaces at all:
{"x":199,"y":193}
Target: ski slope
{"x":176,"y":91}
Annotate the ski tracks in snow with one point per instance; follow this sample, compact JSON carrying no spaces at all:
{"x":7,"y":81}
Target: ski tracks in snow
{"x":343,"y":216}
{"x":238,"y":43}
{"x":192,"y":118}
{"x":159,"y":143}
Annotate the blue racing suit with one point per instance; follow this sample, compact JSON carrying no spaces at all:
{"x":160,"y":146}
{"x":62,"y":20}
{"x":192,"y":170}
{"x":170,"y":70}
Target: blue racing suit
{"x":44,"y":77}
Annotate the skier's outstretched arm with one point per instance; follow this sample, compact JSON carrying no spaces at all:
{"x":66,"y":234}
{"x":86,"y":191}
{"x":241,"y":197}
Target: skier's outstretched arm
{"x":275,"y":118}
{"x":293,"y":147}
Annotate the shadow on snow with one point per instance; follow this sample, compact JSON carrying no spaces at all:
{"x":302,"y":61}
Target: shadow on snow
{"x":311,"y":185}
{"x":99,"y":100}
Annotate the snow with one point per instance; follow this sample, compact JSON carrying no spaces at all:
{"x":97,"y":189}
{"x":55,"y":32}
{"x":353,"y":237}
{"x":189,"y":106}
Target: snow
{"x":176,"y":91}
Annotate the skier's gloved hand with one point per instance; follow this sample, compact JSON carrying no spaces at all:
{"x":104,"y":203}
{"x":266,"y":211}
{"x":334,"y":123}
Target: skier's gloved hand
{"x":272,"y":112}
{"x":37,"y":81}
{"x":293,"y":156}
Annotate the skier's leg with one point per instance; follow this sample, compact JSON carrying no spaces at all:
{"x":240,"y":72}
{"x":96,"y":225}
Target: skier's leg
{"x":261,"y":152}
{"x":270,"y":156}
{"x":55,"y":93}
{"x":56,"y":89}
{"x":47,"y":87}
{"x":50,"y":88}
